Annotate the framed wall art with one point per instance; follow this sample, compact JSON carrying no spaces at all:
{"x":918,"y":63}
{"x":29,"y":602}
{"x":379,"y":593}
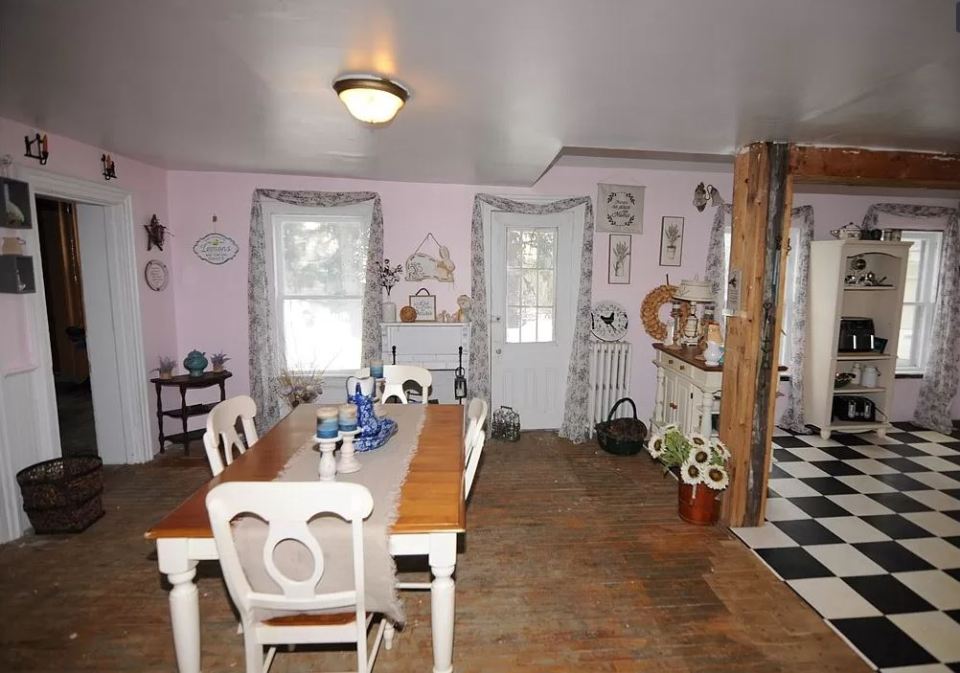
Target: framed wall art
{"x":425,"y":305}
{"x":671,"y":241}
{"x":618,"y":260}
{"x":620,"y":208}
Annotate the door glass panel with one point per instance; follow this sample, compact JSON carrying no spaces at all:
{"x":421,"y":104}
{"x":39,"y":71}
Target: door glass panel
{"x":531,"y":285}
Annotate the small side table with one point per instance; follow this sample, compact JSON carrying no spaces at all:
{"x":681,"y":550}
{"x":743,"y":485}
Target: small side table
{"x":185,"y":382}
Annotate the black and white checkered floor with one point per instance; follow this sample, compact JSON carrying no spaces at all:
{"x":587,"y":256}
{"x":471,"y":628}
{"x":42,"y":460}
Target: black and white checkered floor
{"x":867,"y":531}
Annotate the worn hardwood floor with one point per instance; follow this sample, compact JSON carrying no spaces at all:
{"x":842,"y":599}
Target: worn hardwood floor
{"x":574,"y":560}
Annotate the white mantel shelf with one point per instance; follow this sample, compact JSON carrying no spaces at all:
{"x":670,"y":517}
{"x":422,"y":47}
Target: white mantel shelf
{"x":424,"y":323}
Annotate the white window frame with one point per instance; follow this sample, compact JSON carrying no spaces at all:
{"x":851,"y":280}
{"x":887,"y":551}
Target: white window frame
{"x":930,"y":248}
{"x":272,"y":213}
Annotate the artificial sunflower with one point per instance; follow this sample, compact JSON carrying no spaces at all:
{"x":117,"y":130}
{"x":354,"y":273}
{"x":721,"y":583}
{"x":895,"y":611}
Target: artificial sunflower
{"x":716,"y":477}
{"x":699,"y":441}
{"x":691,"y":473}
{"x":655,"y":446}
{"x":701,"y":455}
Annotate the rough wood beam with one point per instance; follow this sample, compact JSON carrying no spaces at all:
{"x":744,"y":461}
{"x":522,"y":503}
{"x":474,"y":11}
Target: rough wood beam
{"x":853,"y":166}
{"x":762,"y":196}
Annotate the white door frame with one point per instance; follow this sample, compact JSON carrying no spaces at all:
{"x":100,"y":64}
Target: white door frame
{"x":124,"y":297}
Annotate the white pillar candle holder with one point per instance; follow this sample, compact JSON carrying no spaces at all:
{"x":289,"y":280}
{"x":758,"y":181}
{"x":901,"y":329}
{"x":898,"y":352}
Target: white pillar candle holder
{"x":328,"y":465}
{"x":348,"y":462}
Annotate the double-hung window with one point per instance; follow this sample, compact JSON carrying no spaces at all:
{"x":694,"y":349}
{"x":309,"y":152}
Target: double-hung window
{"x":919,"y":300}
{"x":318,"y":258}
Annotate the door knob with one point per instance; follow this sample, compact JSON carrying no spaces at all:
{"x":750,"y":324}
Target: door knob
{"x":498,"y":351}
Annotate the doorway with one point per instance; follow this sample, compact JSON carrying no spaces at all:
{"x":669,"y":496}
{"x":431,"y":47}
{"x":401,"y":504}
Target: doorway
{"x":63,"y":291}
{"x":533,"y":312}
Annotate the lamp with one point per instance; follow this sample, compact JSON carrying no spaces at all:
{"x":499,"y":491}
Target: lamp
{"x":371,"y":99}
{"x":695,"y":292}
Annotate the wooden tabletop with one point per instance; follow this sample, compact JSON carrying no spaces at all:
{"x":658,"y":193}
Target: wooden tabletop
{"x":431,"y":499}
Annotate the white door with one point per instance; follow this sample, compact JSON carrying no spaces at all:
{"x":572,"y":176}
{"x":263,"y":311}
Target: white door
{"x":533,"y":310}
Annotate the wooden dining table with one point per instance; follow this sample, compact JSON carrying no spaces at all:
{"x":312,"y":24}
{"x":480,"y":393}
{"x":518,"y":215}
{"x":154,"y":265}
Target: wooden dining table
{"x":431,"y":515}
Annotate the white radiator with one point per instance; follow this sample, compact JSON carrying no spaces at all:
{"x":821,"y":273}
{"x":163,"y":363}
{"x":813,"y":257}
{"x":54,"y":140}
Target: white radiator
{"x":609,"y":379}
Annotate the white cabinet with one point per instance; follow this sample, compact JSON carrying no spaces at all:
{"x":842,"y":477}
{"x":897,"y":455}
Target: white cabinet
{"x":688,"y":392}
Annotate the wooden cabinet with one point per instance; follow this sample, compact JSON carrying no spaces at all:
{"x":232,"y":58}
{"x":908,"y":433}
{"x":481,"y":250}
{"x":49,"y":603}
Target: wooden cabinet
{"x":688,"y":392}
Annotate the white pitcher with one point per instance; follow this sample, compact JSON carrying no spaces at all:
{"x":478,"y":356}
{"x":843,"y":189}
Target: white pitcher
{"x":868,"y":378}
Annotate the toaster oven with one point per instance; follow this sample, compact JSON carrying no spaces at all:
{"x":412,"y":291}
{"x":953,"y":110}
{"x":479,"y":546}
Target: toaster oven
{"x":856,"y":335}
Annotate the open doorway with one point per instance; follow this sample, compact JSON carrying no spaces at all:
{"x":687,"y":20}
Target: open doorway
{"x":59,"y":237}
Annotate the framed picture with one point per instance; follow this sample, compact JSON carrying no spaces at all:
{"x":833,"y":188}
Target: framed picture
{"x":425,"y":305}
{"x":620,"y":209}
{"x":671,"y":241}
{"x":618,"y":260}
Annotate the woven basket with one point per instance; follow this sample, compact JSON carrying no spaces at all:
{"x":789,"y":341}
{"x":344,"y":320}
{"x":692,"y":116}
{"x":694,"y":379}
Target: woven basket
{"x":621,"y":436}
{"x":62,"y":495}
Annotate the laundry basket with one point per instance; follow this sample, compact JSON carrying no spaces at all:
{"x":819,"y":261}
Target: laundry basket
{"x":62,"y":495}
{"x":621,"y":436}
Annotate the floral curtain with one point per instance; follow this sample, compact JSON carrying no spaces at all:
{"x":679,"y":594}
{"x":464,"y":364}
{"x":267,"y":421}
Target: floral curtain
{"x":792,"y":417}
{"x":716,"y":271}
{"x":942,"y":372}
{"x":264,"y":360}
{"x":576,"y":423}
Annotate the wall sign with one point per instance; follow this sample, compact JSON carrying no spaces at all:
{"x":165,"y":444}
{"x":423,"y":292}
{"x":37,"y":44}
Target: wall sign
{"x":734,"y":288}
{"x":216,"y":248}
{"x":423,"y":266}
{"x":156,"y":275}
{"x":620,"y":208}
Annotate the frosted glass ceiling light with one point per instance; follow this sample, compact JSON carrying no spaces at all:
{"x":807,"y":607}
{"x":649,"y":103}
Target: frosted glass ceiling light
{"x":370,"y":99}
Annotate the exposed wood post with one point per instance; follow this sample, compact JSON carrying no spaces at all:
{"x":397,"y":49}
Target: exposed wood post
{"x":762,"y":200}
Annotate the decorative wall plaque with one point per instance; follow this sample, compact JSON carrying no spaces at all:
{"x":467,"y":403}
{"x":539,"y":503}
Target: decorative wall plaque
{"x":620,"y":208}
{"x":156,"y":275}
{"x":216,"y":248}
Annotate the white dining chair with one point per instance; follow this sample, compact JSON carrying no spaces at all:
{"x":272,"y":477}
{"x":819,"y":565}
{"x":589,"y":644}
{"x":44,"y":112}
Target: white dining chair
{"x":473,"y":461}
{"x":287,"y":507}
{"x":396,"y":378}
{"x":222,"y":429}
{"x":476,"y":417}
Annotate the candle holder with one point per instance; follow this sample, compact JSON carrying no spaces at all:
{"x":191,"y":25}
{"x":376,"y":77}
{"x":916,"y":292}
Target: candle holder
{"x":348,"y":462}
{"x":37,"y":148}
{"x":328,"y":465}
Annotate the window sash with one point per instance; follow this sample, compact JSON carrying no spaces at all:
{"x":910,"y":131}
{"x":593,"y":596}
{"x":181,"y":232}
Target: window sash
{"x":927,"y":244}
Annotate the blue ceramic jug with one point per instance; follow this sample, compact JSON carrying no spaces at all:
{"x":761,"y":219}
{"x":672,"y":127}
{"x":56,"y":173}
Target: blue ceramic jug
{"x":195,"y":363}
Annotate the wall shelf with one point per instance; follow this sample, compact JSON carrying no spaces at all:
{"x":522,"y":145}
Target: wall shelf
{"x":869,"y":288}
{"x":851,"y":389}
{"x":859,"y":357}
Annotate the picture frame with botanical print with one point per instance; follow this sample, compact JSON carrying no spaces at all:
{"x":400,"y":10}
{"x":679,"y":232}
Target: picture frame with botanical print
{"x":620,"y":208}
{"x":671,"y":241}
{"x":619,"y":259}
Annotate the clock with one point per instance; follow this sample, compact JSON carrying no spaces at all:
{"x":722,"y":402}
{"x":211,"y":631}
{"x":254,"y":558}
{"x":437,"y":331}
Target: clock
{"x":609,"y":321}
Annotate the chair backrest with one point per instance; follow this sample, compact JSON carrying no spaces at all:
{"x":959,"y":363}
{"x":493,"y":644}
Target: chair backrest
{"x":222,"y":428}
{"x":473,"y":460}
{"x":287,"y":507}
{"x":396,"y":376}
{"x":476,"y":417}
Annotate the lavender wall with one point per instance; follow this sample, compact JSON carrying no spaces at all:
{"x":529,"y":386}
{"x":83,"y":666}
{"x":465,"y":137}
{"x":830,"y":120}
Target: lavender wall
{"x":148,"y":186}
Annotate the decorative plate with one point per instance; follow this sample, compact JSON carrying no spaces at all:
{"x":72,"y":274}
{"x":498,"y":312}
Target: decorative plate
{"x":156,"y":274}
{"x":609,"y":321}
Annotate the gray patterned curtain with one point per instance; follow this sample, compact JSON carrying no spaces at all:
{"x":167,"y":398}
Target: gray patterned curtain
{"x":792,"y":417}
{"x":576,"y":424}
{"x":263,"y":360}
{"x":716,"y":271}
{"x":942,"y":372}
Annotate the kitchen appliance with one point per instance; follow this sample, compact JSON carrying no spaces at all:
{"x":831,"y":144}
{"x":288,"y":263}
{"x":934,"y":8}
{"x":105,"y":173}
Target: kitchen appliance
{"x":854,"y":408}
{"x":856,"y":335}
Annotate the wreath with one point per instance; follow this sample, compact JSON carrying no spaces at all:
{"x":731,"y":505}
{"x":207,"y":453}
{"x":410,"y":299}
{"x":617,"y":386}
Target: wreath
{"x":650,"y":310}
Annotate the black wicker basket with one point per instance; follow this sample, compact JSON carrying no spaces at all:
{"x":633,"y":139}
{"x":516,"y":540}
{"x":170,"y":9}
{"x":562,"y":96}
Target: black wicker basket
{"x":62,"y":495}
{"x":621,"y":436}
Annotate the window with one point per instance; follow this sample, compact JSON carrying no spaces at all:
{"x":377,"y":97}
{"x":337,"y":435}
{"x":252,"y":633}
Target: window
{"x":919,"y":300}
{"x":319,"y":272}
{"x":786,"y":338}
{"x":531,"y":284}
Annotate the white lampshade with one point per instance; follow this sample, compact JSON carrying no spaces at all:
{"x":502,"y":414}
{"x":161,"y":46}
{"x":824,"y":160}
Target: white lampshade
{"x":371,"y":99}
{"x":695,"y":290}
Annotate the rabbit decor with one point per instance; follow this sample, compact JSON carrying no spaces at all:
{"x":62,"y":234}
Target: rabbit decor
{"x":422,"y":266}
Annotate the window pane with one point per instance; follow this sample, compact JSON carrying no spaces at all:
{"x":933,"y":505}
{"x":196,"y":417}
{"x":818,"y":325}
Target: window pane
{"x":513,"y":324}
{"x":911,"y":288}
{"x":545,"y":288}
{"x":908,"y":325}
{"x":528,"y":288}
{"x":322,"y":258}
{"x":547,"y":247}
{"x":529,"y":250}
{"x":322,"y":333}
{"x":514,"y":248}
{"x":528,"y":325}
{"x":513,"y":287}
{"x":544,"y":324}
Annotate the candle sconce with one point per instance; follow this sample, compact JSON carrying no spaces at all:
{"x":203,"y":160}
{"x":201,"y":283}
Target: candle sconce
{"x":109,"y":168}
{"x":42,"y":152}
{"x":704,"y":195}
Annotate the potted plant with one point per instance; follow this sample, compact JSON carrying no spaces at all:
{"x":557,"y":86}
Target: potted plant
{"x":702,"y":463}
{"x":167,"y":365}
{"x":218,"y":360}
{"x":300,"y":387}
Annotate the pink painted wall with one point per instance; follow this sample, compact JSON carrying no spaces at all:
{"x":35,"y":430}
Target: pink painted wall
{"x":148,"y":185}
{"x":212,"y":303}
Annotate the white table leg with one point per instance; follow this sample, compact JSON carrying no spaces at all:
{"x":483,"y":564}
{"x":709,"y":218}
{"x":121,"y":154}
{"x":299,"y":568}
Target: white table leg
{"x":443,"y":560}
{"x":184,"y":602}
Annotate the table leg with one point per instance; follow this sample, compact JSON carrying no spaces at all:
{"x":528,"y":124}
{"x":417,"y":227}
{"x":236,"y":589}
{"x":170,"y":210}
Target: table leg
{"x":184,"y":602}
{"x":160,"y":416}
{"x":443,"y":560}
{"x":183,"y":418}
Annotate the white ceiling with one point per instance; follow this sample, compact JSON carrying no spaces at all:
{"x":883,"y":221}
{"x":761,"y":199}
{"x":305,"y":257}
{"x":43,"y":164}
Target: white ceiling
{"x":500,"y":87}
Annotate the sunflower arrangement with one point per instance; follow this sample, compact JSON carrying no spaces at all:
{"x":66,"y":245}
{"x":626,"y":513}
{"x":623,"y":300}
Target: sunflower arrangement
{"x":701,"y":460}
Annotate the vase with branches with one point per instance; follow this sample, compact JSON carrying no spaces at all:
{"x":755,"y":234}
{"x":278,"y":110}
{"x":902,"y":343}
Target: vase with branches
{"x":389,"y":275}
{"x":300,"y":386}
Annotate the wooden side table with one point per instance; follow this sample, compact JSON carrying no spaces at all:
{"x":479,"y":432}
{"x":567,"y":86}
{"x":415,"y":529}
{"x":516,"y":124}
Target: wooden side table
{"x":185,"y":382}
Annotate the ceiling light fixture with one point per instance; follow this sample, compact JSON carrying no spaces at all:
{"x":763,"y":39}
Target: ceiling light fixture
{"x":369,"y":98}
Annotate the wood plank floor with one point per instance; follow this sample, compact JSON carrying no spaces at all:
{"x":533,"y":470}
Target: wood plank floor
{"x":574,"y":560}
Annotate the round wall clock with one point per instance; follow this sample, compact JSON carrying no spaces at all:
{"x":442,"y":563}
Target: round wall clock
{"x":609,"y":321}
{"x":156,"y":275}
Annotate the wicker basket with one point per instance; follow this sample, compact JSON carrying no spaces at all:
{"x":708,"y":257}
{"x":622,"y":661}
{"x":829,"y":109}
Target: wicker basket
{"x":621,"y":436}
{"x":62,"y":495}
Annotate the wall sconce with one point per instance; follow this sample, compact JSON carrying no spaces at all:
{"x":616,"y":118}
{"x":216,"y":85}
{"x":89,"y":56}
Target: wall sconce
{"x":109,"y":167}
{"x":42,"y":148}
{"x":703,"y":195}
